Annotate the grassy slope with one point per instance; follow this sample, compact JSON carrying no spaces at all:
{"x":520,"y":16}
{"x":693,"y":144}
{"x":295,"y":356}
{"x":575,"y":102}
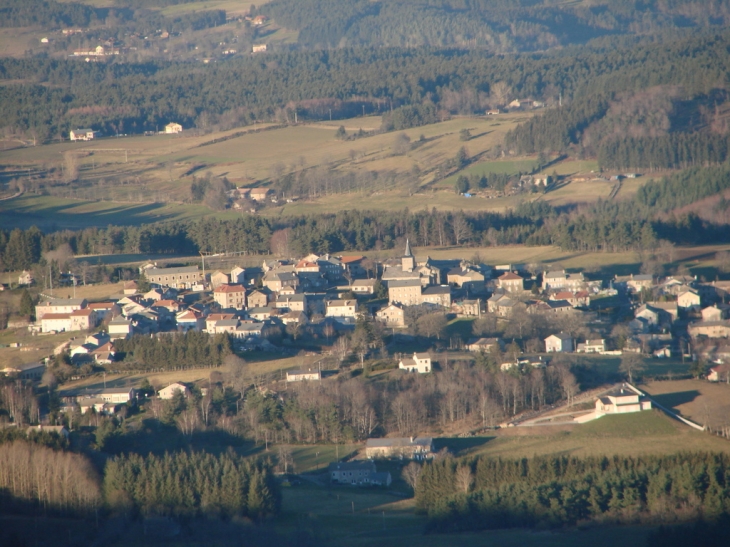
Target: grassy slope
{"x":157,"y":166}
{"x":641,"y":433}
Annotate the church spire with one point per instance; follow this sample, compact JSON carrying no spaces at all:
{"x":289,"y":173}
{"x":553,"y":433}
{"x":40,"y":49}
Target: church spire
{"x":408,"y":248}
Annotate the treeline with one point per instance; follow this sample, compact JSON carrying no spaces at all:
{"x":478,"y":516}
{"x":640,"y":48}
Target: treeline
{"x":152,"y":3}
{"x":37,"y":436}
{"x":35,"y":476}
{"x":20,"y":249}
{"x":173,"y":350}
{"x":603,"y":226}
{"x":46,"y":13}
{"x":673,"y":151}
{"x":485,"y":493}
{"x":190,"y":485}
{"x":684,"y":188}
{"x":65,"y":94}
{"x":500,"y":26}
{"x":409,"y":116}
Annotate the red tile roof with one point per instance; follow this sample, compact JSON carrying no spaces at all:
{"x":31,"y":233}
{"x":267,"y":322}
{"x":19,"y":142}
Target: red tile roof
{"x":229,"y":288}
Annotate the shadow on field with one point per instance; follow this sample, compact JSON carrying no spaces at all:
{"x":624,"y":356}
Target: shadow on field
{"x":26,"y":214}
{"x":673,"y":400}
{"x":461,"y":446}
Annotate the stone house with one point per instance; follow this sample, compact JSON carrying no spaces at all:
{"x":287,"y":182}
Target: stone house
{"x":257,"y":299}
{"x":689,"y":299}
{"x":406,"y":292}
{"x":219,"y":278}
{"x":230,"y":296}
{"x":511,"y":282}
{"x":178,"y":278}
{"x":392,"y":315}
{"x":59,"y":306}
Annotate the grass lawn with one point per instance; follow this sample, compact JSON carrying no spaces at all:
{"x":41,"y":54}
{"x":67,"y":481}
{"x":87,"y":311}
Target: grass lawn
{"x":640,"y":433}
{"x":573,"y":192}
{"x":608,"y":365}
{"x":460,"y":327}
{"x":308,"y":458}
{"x":489,"y":167}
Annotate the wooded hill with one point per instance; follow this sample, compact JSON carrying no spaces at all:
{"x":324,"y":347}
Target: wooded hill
{"x":56,"y":96}
{"x":495,"y":25}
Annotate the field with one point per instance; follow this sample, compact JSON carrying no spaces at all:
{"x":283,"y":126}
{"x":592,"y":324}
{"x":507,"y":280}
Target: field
{"x":381,"y":519}
{"x":701,"y":401}
{"x":149,"y":169}
{"x":51,"y":213}
{"x":650,"y":432}
{"x":136,"y":179}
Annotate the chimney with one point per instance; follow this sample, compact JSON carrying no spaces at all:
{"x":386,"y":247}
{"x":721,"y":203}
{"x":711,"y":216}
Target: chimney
{"x":412,"y":439}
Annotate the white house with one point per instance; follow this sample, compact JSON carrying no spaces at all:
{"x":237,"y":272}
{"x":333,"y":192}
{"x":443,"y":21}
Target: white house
{"x":238,"y":275}
{"x":120,"y":327}
{"x":303,"y":375}
{"x":341,"y":308}
{"x":559,"y":343}
{"x":173,"y":127}
{"x":421,"y":362}
{"x":688,"y":299}
{"x":82,"y":134}
{"x":169,"y":391}
{"x":621,"y":401}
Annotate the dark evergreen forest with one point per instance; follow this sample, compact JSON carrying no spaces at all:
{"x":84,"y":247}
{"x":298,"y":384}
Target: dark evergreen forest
{"x":189,"y":485}
{"x":496,"y":25}
{"x":485,"y":493}
{"x":55,"y":96}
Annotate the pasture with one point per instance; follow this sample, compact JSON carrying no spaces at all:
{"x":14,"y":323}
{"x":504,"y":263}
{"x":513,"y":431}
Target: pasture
{"x":699,"y":400}
{"x":127,"y":180}
{"x":648,"y":432}
{"x":54,"y":213}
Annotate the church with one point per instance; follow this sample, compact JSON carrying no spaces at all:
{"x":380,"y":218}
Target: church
{"x":406,"y":268}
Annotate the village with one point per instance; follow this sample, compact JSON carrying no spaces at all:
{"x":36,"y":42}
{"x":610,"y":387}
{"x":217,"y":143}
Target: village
{"x":521,"y":320}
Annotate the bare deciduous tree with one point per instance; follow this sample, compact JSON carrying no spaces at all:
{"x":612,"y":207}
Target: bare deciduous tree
{"x":631,"y":364}
{"x":464,"y":479}
{"x":411,"y":473}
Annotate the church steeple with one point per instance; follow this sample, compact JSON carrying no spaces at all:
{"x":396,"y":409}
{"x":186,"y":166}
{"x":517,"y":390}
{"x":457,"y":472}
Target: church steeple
{"x":408,"y":261}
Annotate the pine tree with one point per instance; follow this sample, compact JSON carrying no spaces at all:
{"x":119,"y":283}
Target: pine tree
{"x":27,"y":305}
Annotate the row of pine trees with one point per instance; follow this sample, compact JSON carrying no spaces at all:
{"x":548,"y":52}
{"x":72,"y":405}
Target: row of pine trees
{"x":549,"y":491}
{"x":191,"y":484}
